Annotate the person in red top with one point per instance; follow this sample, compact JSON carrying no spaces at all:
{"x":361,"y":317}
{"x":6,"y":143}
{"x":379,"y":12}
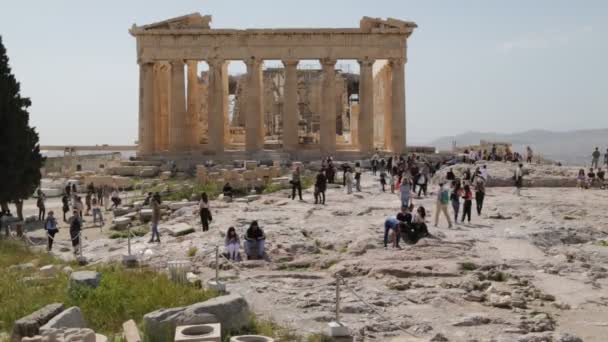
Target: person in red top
{"x":468,"y":203}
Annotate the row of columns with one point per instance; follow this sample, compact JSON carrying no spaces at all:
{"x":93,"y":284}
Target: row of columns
{"x":183,"y":121}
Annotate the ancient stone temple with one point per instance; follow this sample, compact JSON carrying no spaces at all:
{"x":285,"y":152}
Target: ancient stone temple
{"x":308,"y":113}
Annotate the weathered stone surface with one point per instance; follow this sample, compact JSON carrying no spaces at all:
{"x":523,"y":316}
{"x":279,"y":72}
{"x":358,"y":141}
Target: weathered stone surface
{"x":177,"y":229}
{"x":232,"y":311}
{"x":48,"y":270}
{"x":472,"y":320}
{"x":85,"y":278}
{"x":121,"y":223}
{"x":29,"y":325}
{"x":179,"y":205}
{"x":130,"y":331}
{"x":69,"y":318}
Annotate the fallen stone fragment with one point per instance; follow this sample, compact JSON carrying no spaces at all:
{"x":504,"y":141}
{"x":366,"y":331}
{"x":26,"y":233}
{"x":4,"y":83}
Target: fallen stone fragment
{"x":85,"y":278}
{"x":472,"y":320}
{"x":69,"y":318}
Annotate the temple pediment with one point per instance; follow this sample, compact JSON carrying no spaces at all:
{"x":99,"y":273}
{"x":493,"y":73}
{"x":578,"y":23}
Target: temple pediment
{"x":369,"y":24}
{"x":189,"y":21}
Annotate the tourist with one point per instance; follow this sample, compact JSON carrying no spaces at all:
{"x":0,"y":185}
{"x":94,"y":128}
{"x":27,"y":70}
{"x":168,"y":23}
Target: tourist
{"x":344,"y":167}
{"x":595,"y":158}
{"x":320,"y":187}
{"x":106,"y":197}
{"x":391,"y":180}
{"x":74,"y":190}
{"x":529,"y":155}
{"x":157,"y":198}
{"x":467,"y":176}
{"x":484,"y":172}
{"x":75,"y":227}
{"x":450,"y":176}
{"x":374,"y":163}
{"x":232,"y":244}
{"x":405,"y":190}
{"x":422,"y":182}
{"x":227,"y":191}
{"x":115,"y":197}
{"x":65,"y":202}
{"x":606,"y":157}
{"x":296,"y":184}
{"x":155,"y":205}
{"x":254,"y":241}
{"x":348,"y":177}
{"x":91,"y":188}
{"x":67,"y":191}
{"x":457,"y":192}
{"x":97,"y":212}
{"x":590,"y":178}
{"x":519,"y":179}
{"x":417,"y":229}
{"x":148,"y":199}
{"x":50,"y":225}
{"x":443,"y":199}
{"x":395,"y":226}
{"x":99,"y":193}
{"x":358,"y":176}
{"x":480,"y":193}
{"x":87,"y":201}
{"x":78,"y":206}
{"x":601,"y":176}
{"x":40,"y":203}
{"x":468,"y":203}
{"x":204,"y":212}
{"x":330,"y":171}
{"x":382,"y":164}
{"x":383,"y":180}
{"x":581,"y":180}
{"x":493,"y":154}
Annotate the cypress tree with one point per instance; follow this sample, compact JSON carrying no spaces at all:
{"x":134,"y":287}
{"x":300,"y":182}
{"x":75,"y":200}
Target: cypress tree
{"x":20,"y":159}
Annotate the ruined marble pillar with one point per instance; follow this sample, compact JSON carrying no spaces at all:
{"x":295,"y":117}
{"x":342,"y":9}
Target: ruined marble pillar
{"x":162,"y":107}
{"x":148,"y":135}
{"x":193,"y":105}
{"x":216,"y":103}
{"x":254,"y":120}
{"x":178,"y":130}
{"x":366,"y":106}
{"x":328,"y":114}
{"x":290,"y":108}
{"x":398,"y":120}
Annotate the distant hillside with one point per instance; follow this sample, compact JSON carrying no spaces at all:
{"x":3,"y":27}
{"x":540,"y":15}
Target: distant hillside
{"x":572,"y":147}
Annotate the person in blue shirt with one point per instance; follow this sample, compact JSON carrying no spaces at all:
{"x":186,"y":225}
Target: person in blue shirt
{"x":395,"y":225}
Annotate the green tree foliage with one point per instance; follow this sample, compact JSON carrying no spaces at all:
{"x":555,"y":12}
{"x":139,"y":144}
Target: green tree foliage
{"x":20,"y":159}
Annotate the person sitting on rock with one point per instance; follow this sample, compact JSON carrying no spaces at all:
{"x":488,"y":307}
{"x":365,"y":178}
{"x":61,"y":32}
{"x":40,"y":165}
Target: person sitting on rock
{"x":580,"y":179}
{"x":601,"y":175}
{"x":417,"y":228}
{"x":232,"y":244}
{"x":254,"y":241}
{"x":227,"y":191}
{"x":590,"y":178}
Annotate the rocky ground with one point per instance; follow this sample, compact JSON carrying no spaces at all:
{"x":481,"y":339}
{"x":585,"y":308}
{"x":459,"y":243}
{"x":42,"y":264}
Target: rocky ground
{"x":528,"y":268}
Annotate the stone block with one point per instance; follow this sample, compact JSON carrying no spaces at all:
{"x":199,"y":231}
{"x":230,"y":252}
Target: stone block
{"x":145,"y":215}
{"x":250,"y":164}
{"x":165,"y":175}
{"x":199,"y":333}
{"x":336,"y":329}
{"x":69,"y":318}
{"x":179,"y":205}
{"x":216,"y":286}
{"x":149,"y":171}
{"x":177,"y":229}
{"x":130,"y":332}
{"x":22,"y":267}
{"x":85,"y":278}
{"x":48,"y":270}
{"x":251,"y":338}
{"x":29,"y":325}
{"x":122,"y":223}
{"x":121,"y":211}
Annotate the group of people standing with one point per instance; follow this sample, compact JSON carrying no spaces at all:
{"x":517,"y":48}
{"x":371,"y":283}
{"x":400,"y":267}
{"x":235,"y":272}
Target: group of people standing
{"x":455,"y":189}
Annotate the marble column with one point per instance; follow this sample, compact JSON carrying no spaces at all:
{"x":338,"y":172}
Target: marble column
{"x":254,"y":120}
{"x":290,"y":108}
{"x":328,"y":114}
{"x":216,"y":105}
{"x":193,"y":105}
{"x":178,"y":130}
{"x":398,"y":120}
{"x":161,"y":105}
{"x":148,"y":141}
{"x":366,"y":106}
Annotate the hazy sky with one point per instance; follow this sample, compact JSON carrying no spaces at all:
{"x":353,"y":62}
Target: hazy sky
{"x":500,"y":66}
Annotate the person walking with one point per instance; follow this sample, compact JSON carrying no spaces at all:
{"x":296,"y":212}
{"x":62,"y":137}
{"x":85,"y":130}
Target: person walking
{"x":529,"y":155}
{"x":320,"y":187}
{"x":422,"y":183}
{"x":595,"y":158}
{"x":40,"y":203}
{"x":455,"y":199}
{"x":391,"y":181}
{"x":296,"y":184}
{"x":78,"y":206}
{"x":443,"y":198}
{"x":518,"y":177}
{"x":374,"y":163}
{"x":232,"y":244}
{"x":65,"y":205}
{"x":97,"y":213}
{"x":383,"y":180}
{"x":358,"y":177}
{"x":155,"y":205}
{"x":106,"y":197}
{"x":75,"y":228}
{"x":50,"y":225}
{"x":348,"y":176}
{"x":405,"y":190}
{"x":204,"y":212}
{"x":480,"y":193}
{"x":468,"y":203}
{"x":87,"y":201}
{"x":606,"y":157}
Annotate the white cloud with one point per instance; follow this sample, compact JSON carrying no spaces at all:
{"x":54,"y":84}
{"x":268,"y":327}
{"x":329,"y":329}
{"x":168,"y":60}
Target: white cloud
{"x":544,"y":39}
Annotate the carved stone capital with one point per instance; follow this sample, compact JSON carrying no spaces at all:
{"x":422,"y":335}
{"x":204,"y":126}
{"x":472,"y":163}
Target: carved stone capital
{"x":290,"y":63}
{"x":328,"y":62}
{"x":253,"y":62}
{"x":397,"y":61}
{"x":366,"y":62}
{"x":216,"y":62}
{"x":177,"y":62}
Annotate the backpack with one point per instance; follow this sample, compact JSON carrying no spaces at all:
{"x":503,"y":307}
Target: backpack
{"x":444,"y":197}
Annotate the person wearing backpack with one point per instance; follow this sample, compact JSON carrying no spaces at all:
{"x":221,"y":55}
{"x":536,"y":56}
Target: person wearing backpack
{"x":443,"y":199}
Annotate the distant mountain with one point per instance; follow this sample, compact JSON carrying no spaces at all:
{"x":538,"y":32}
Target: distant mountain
{"x":572,"y":147}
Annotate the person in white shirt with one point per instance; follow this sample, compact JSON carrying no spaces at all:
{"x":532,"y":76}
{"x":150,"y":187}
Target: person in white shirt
{"x":518,"y":177}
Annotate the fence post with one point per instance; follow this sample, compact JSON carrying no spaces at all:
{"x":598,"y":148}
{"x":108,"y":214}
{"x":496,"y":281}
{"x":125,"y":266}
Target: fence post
{"x":129,"y":239}
{"x":338,"y":298}
{"x":217,"y":264}
{"x":337,"y":328}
